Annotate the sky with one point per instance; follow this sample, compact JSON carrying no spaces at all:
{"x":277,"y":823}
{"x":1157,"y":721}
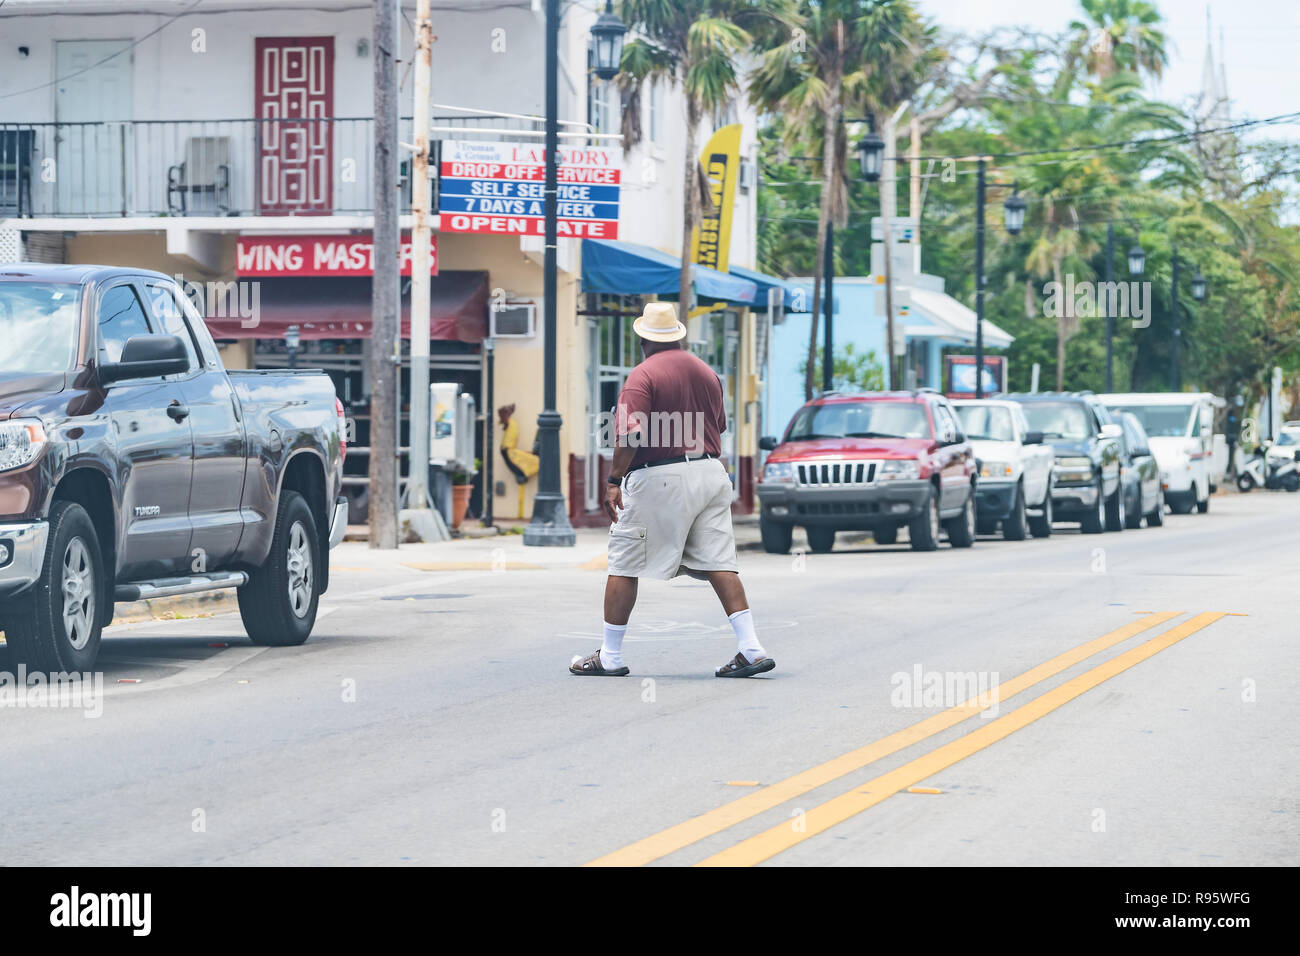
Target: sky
{"x":1261,"y":44}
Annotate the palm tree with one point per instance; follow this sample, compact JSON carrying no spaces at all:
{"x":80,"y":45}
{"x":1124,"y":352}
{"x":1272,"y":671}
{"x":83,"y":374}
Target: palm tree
{"x":696,"y":44}
{"x":859,"y":55}
{"x":1120,"y":35}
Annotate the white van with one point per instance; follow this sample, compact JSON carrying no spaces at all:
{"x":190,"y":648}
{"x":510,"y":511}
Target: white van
{"x":1181,"y":428}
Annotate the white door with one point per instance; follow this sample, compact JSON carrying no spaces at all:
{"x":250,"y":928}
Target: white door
{"x":93,"y":98}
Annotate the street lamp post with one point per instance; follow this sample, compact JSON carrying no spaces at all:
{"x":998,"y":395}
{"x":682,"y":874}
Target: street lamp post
{"x":550,"y":525}
{"x":1013,"y":211}
{"x":1198,"y":293}
{"x":1136,"y":263}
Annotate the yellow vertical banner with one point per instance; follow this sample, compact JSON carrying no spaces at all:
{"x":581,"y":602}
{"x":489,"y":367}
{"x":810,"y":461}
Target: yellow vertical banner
{"x":711,"y":242}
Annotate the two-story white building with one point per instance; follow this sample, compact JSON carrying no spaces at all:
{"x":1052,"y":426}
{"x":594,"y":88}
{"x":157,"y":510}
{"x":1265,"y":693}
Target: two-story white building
{"x":231,"y":144}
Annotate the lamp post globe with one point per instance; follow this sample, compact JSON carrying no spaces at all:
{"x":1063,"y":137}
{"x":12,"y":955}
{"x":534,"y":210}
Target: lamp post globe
{"x":1198,"y":286}
{"x":1013,"y":212}
{"x":607,"y":33}
{"x":1137,"y":260}
{"x":871,"y":155}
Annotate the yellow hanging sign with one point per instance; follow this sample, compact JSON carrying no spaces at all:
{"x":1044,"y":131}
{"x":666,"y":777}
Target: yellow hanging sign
{"x":711,"y":240}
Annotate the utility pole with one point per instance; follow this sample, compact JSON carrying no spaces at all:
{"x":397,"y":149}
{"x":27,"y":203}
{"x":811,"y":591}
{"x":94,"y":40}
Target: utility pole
{"x":384,"y":341}
{"x":550,"y":523}
{"x":1175,"y":373}
{"x":417,"y":480}
{"x":888,"y":179}
{"x":828,"y":309}
{"x":1110,"y":319}
{"x":979,"y":280}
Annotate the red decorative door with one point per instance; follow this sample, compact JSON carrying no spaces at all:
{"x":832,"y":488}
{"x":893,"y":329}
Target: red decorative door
{"x":294,"y":93}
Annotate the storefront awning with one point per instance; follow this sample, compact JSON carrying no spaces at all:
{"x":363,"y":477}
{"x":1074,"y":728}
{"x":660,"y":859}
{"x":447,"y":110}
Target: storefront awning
{"x":949,"y":315}
{"x":626,"y":268}
{"x":340,"y":308}
{"x":765,"y":283}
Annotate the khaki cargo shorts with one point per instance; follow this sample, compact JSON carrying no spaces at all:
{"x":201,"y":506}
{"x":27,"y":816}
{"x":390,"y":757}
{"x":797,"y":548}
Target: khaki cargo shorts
{"x":676,"y":519}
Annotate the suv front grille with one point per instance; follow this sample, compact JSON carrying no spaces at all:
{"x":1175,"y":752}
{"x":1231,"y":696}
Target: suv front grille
{"x":834,"y":474}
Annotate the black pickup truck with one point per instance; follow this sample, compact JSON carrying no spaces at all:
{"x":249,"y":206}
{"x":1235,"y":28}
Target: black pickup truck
{"x":133,"y":466}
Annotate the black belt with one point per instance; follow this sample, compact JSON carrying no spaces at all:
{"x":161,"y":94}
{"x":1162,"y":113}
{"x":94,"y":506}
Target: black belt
{"x":670,"y":461}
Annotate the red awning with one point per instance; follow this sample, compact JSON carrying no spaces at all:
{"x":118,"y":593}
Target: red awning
{"x":339,"y":308}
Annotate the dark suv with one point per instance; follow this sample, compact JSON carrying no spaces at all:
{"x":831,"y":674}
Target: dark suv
{"x":1086,"y":441}
{"x":876,"y":461}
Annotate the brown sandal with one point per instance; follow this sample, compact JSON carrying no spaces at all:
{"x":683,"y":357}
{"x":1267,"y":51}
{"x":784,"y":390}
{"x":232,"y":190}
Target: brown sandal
{"x":592,"y":667}
{"x":739,"y":667}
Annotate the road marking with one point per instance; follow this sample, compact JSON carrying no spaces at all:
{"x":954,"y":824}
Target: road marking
{"x":715,"y":821}
{"x":472,"y":566}
{"x":769,"y":843}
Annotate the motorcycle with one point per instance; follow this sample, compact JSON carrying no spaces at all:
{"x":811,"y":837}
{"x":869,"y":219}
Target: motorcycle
{"x":1265,"y":470}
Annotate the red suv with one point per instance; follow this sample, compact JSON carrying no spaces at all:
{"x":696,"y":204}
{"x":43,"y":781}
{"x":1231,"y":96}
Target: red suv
{"x":871,"y":461}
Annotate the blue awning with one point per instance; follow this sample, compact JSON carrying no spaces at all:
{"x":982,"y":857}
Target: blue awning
{"x":765,"y":283}
{"x":626,"y":268}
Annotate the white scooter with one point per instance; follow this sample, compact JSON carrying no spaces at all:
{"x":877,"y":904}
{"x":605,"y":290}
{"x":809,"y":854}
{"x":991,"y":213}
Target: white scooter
{"x":1268,"y":470}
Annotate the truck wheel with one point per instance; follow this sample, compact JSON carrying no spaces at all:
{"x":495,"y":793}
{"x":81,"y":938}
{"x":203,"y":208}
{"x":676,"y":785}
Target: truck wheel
{"x":1157,"y":518}
{"x":1094,"y":522}
{"x":886,"y":535}
{"x":923,"y":530}
{"x":55,"y":626}
{"x":278,"y":604}
{"x":820,"y":539}
{"x":1202,"y":506}
{"x":1117,"y":509}
{"x":1016,"y":526}
{"x":1040,"y":526}
{"x":961,"y":529}
{"x":776,"y":537}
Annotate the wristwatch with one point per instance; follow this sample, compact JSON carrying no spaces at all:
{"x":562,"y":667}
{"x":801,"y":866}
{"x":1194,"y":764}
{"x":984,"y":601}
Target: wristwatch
{"x":615,"y":481}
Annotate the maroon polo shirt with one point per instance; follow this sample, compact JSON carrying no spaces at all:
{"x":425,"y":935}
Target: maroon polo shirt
{"x":671,"y":405}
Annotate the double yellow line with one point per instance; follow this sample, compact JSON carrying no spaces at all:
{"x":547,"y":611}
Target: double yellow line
{"x":785,"y":835}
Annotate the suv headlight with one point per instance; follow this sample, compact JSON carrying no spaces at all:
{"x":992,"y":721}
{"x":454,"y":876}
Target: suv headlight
{"x":997,"y":469}
{"x":900,"y":468}
{"x":1074,"y":469}
{"x":778,"y":471}
{"x":21,"y":440}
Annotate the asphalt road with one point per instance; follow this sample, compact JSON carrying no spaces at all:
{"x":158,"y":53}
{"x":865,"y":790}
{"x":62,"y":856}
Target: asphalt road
{"x":1145,"y":713}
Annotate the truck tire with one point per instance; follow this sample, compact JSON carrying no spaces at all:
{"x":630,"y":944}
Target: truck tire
{"x":961,"y":529}
{"x":776,"y":537}
{"x":56,"y":625}
{"x":1015,"y":527}
{"x":1203,"y":507}
{"x":923,"y":530}
{"x":278,"y":604}
{"x":1040,"y":526}
{"x":1157,"y":517}
{"x":886,"y":535}
{"x":1117,"y":509}
{"x":821,"y":540}
{"x":1094,"y":522}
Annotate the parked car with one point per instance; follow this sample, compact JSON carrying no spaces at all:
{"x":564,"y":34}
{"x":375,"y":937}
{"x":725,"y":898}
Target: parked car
{"x":1144,"y":497}
{"x":1085,"y":441}
{"x":133,"y":466}
{"x":1180,"y":427}
{"x":876,"y":461}
{"x":1015,"y":469}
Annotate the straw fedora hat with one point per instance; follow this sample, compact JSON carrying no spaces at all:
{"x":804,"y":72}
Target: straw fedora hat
{"x":658,"y":323}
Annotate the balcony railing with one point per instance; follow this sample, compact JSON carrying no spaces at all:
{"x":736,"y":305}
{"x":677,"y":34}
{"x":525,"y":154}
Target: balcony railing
{"x":235,"y":167}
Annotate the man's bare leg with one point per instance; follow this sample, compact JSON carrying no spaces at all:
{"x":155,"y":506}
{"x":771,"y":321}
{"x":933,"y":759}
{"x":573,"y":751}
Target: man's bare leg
{"x":727,"y":586}
{"x":620,"y":598}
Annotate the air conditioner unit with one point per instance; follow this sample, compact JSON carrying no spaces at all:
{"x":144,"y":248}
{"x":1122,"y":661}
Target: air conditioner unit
{"x":748,"y":175}
{"x":514,"y":320}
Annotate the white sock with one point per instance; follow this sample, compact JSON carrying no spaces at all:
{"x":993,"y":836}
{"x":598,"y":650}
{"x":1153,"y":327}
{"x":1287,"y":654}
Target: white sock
{"x":611,"y":651}
{"x":742,"y":622}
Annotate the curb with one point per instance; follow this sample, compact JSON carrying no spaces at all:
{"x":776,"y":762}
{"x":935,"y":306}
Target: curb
{"x":205,"y":604}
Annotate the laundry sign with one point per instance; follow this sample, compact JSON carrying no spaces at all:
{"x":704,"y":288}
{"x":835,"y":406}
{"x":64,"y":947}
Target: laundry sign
{"x":499,"y":188}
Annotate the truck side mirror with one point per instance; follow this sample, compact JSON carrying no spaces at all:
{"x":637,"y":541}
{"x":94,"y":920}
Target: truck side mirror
{"x":147,"y":356}
{"x":1111,"y":431}
{"x":1033,"y":438}
{"x":768,"y":442}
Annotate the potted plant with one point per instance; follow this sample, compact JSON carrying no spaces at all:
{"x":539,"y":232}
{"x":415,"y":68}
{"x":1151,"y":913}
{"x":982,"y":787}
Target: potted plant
{"x":462,"y":486}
